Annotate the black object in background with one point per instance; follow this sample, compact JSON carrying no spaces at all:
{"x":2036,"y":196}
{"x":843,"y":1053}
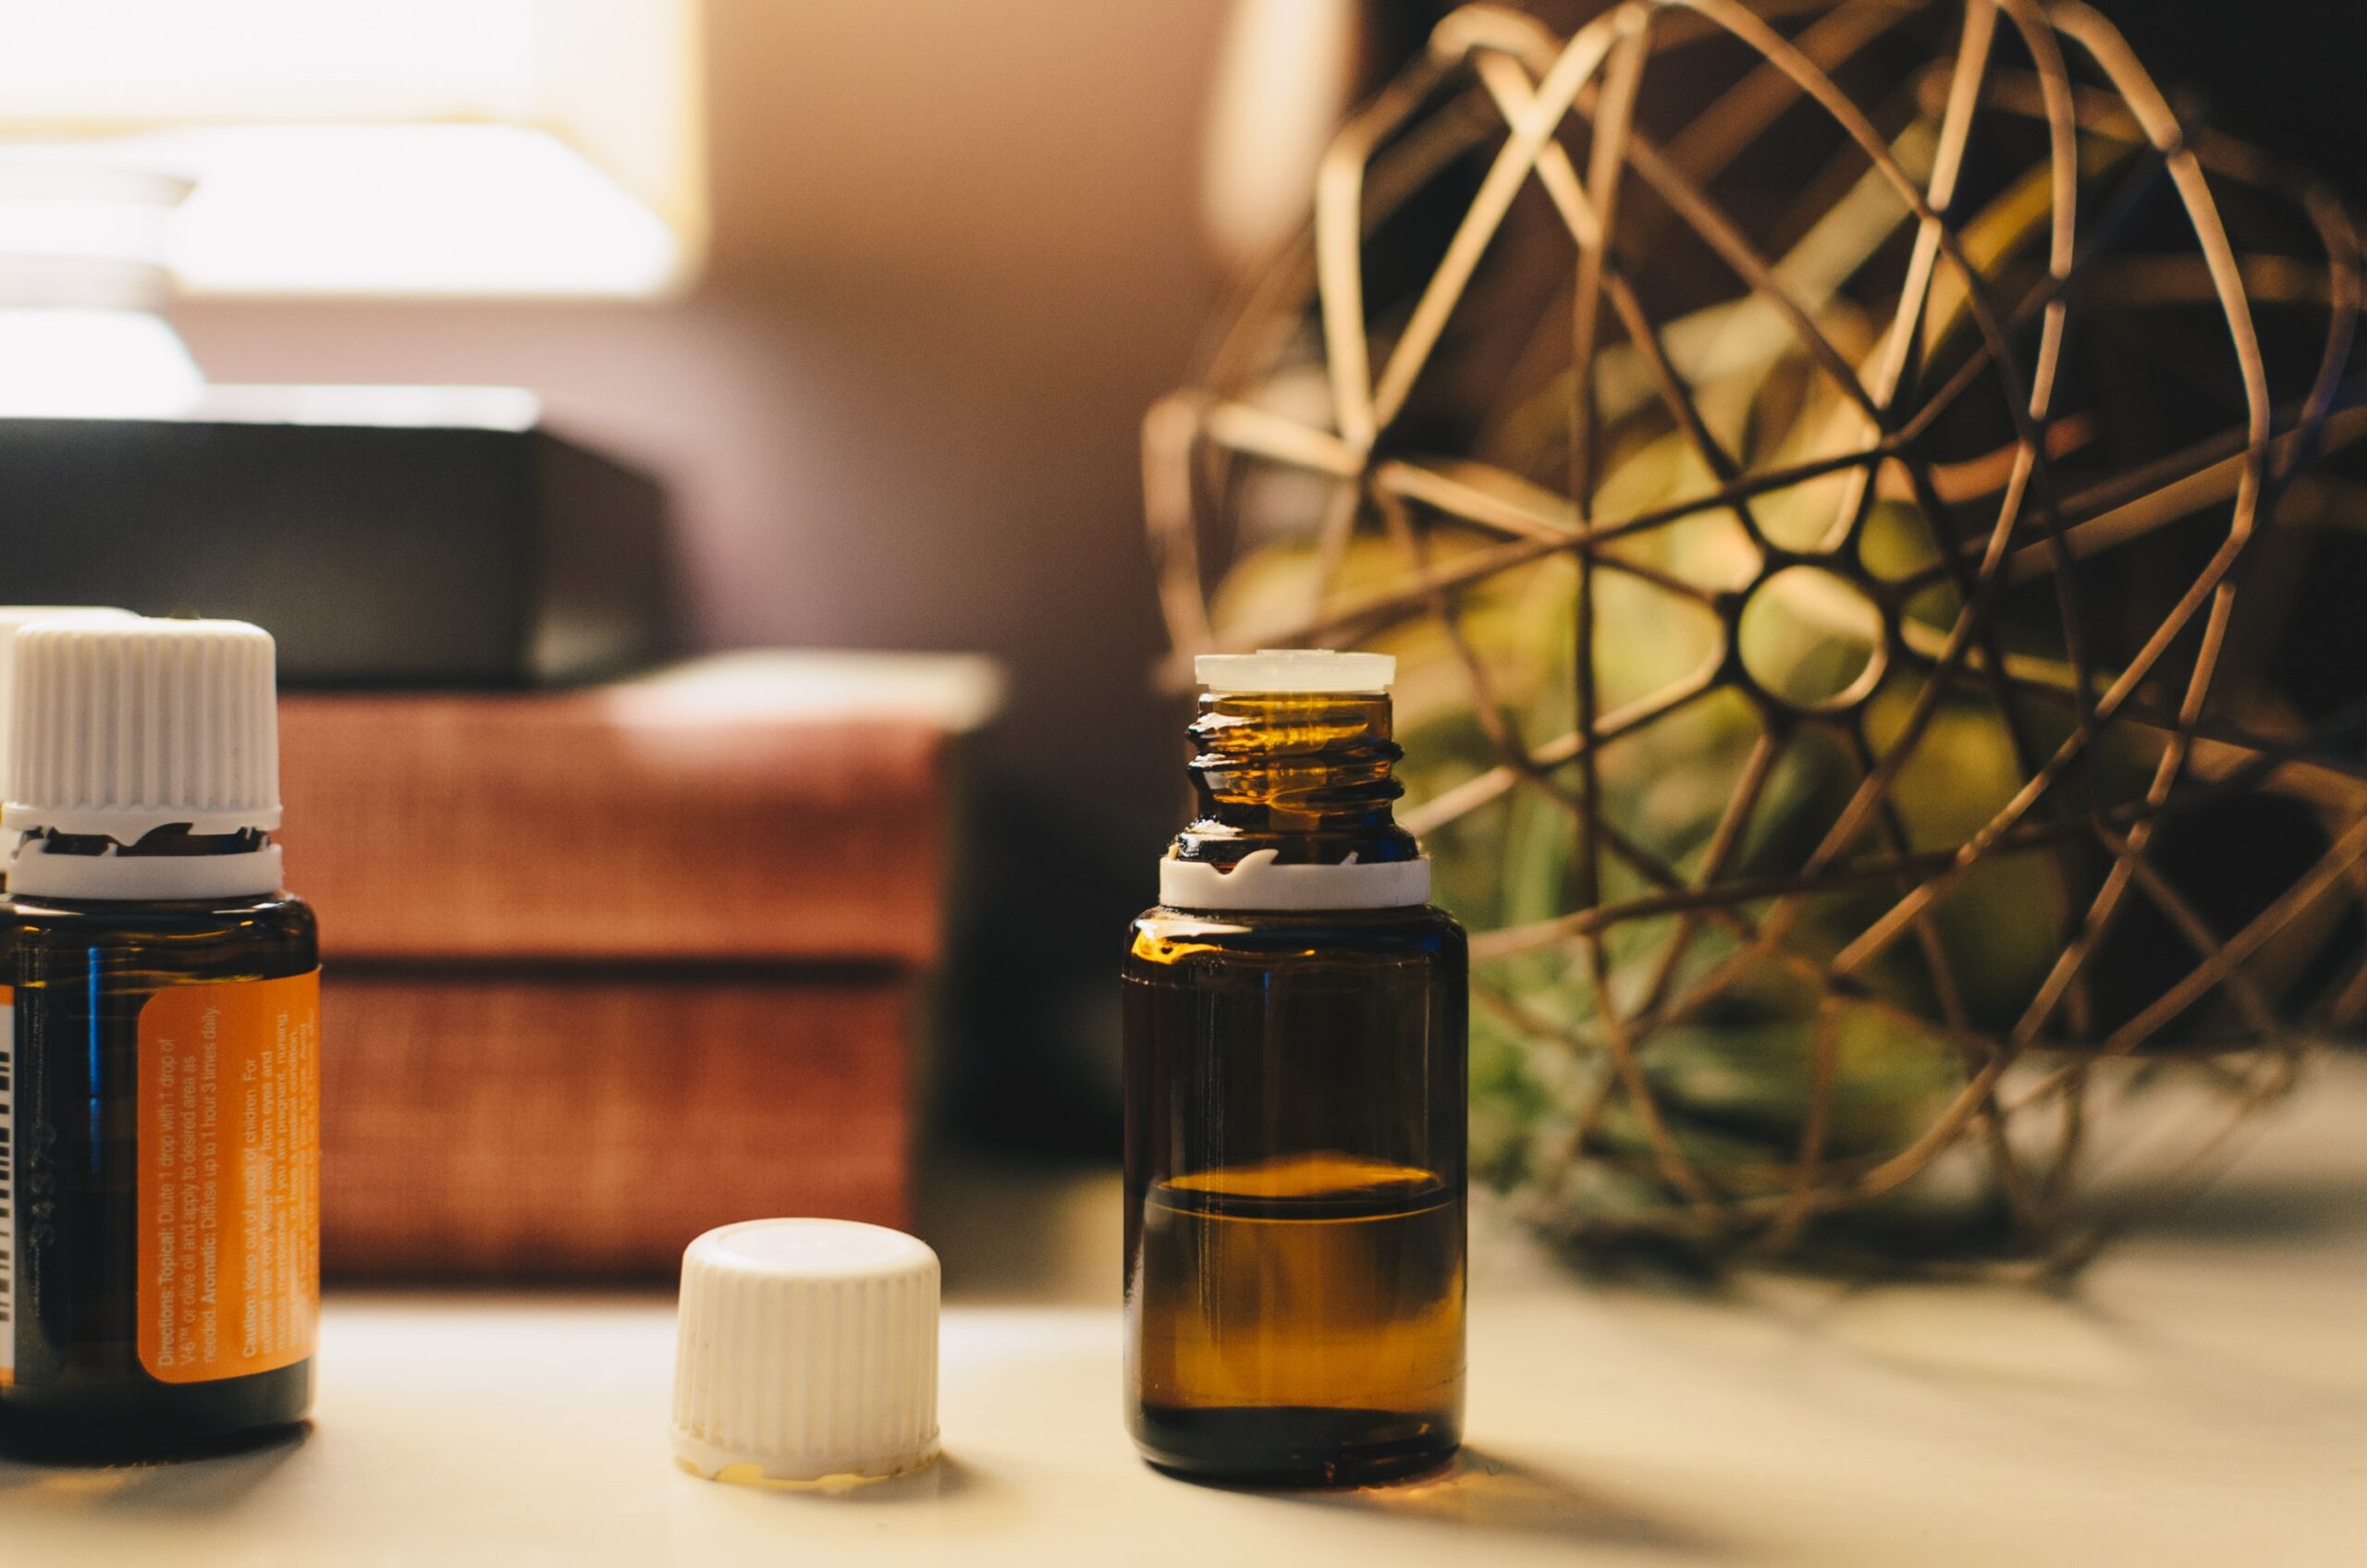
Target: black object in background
{"x":395,"y":551}
{"x":2281,"y":74}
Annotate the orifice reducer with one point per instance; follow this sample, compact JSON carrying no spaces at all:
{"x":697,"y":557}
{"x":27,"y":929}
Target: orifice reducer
{"x":159,"y":1048}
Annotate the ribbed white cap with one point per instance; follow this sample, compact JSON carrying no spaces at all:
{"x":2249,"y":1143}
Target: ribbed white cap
{"x":805,"y":1351}
{"x":126,"y":725}
{"x":1295,"y":669}
{"x":15,"y":618}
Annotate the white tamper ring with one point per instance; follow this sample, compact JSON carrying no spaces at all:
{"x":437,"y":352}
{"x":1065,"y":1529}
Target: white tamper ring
{"x":805,"y":1351}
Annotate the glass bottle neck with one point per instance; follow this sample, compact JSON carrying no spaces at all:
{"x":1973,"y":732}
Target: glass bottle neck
{"x":1307,"y":775}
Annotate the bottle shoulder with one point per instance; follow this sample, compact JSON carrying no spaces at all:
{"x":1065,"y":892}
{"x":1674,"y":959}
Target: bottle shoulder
{"x":1163,"y":935}
{"x":280,"y":918}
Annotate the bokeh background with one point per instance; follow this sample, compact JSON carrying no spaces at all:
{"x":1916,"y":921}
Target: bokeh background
{"x":955,"y":251}
{"x":949,"y":253}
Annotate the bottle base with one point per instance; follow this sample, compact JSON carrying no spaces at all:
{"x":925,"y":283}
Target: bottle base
{"x":77,"y":1448}
{"x":138,"y":1422}
{"x":1293,"y":1445}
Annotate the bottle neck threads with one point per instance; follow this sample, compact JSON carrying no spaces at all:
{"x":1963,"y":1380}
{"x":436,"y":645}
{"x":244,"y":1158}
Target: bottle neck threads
{"x":1295,"y":794}
{"x":1305,"y":774}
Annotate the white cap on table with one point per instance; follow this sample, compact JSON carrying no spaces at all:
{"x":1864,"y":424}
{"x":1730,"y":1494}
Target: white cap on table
{"x":805,"y":1351}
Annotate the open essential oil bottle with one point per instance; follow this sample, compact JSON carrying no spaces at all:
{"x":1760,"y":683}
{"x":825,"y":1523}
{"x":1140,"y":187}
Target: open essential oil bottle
{"x":1295,"y":1037}
{"x":159,"y":1066}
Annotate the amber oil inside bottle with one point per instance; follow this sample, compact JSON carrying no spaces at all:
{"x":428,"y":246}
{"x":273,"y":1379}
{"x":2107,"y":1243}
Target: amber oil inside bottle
{"x":1294,"y":1139}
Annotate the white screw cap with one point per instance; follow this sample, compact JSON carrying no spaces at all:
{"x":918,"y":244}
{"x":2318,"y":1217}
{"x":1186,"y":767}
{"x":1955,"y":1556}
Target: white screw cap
{"x":15,"y":618}
{"x":1295,"y":669}
{"x":122,"y":728}
{"x":805,"y":1351}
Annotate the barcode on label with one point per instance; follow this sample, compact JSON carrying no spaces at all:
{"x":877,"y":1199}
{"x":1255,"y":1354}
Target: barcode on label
{"x":7,"y":1189}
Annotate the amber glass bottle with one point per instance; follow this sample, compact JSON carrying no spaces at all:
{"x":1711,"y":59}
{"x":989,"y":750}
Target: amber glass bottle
{"x":1295,"y":1095}
{"x":159,"y":1252}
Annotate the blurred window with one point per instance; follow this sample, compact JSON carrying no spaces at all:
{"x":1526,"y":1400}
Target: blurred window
{"x":540,"y":147}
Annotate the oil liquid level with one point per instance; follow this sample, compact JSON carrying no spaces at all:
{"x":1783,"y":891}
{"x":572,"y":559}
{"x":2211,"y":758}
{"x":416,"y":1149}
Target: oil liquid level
{"x":1303,"y":1313}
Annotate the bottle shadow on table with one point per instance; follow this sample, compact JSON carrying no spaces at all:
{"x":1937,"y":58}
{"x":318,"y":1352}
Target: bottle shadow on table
{"x":1483,"y":1491}
{"x":186,"y":1485}
{"x":2290,"y":1211}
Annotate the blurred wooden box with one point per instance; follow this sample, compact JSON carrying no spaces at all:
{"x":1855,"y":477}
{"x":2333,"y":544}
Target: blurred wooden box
{"x":547,"y":1125}
{"x":606,"y":967}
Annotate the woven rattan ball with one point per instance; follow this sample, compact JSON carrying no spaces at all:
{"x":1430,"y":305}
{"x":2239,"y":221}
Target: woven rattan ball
{"x":1856,"y":491}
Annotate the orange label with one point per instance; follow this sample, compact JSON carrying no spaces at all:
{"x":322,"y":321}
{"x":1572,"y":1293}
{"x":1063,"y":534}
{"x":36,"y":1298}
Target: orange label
{"x":229,"y":1177}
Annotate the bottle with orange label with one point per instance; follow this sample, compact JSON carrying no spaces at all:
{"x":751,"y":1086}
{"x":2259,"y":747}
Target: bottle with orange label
{"x":159,"y":1066}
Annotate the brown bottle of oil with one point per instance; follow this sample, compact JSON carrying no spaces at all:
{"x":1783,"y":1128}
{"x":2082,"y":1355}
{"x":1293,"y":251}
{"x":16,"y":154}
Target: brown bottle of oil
{"x":1296,"y":1094}
{"x":159,"y":1003}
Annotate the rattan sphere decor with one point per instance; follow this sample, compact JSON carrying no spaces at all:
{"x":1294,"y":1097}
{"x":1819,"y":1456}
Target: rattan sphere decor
{"x":1857,"y":491}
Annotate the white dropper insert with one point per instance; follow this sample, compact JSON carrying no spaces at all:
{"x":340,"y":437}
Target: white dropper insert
{"x":125,"y":727}
{"x":1293,"y":670}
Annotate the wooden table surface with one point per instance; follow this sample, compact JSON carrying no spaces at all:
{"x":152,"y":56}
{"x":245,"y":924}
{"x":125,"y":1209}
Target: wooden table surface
{"x":2202,"y":1399}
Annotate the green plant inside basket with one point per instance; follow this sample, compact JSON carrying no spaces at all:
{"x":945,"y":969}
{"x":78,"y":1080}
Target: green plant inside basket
{"x":1661,"y":1053}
